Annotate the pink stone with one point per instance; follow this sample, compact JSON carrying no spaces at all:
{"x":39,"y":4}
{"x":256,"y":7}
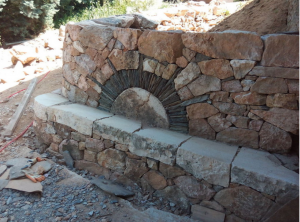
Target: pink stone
{"x":249,"y":98}
{"x":218,"y":122}
{"x":265,"y":85}
{"x":219,"y":68}
{"x":225,"y":45}
{"x":238,"y":136}
{"x":155,"y":179}
{"x":285,"y":119}
{"x":181,"y":62}
{"x":200,"y":127}
{"x":239,"y":121}
{"x":124,"y":60}
{"x":293,"y":86}
{"x":201,"y":110}
{"x":94,"y":145}
{"x":255,"y":124}
{"x":287,"y":101}
{"x":163,"y":46}
{"x":232,"y":86}
{"x":128,"y":37}
{"x":185,"y":94}
{"x":194,"y":189}
{"x":274,"y":139}
{"x":219,"y":96}
{"x":281,"y":50}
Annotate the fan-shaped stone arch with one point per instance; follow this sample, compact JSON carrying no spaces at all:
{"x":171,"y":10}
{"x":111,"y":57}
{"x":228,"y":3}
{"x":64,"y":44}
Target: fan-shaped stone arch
{"x":162,"y":89}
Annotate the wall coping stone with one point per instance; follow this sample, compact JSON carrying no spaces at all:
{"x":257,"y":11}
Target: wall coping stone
{"x":262,"y":171}
{"x":159,"y":144}
{"x":206,"y":159}
{"x":78,"y":117}
{"x":116,"y":128}
{"x":42,"y":102}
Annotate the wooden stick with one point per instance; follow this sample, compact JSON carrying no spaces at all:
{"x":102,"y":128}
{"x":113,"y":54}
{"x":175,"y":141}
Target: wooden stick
{"x":17,"y":115}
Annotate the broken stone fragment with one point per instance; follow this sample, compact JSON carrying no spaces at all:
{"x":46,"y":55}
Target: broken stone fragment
{"x":68,"y":159}
{"x":244,"y":202}
{"x":117,"y":21}
{"x":111,"y":187}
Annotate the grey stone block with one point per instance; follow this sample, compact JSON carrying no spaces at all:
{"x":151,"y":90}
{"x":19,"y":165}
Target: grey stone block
{"x":208,"y":160}
{"x":158,"y":144}
{"x":78,"y":117}
{"x":263,"y":172}
{"x":42,"y":102}
{"x":116,"y":128}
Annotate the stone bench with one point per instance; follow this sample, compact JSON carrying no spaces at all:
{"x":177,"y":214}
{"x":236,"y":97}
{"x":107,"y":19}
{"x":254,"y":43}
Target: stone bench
{"x":169,"y":162}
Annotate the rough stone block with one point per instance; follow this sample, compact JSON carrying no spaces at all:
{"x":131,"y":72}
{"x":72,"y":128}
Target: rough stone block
{"x":42,"y":102}
{"x":155,"y":179}
{"x":170,"y":171}
{"x":117,"y":128}
{"x":124,"y":60}
{"x":94,"y":145}
{"x":78,"y":137}
{"x":265,"y":85}
{"x":207,"y":215}
{"x":204,"y":84}
{"x":112,"y":159}
{"x":281,"y":50}
{"x":135,"y":169}
{"x":149,"y":65}
{"x":92,"y":167}
{"x":287,"y":101}
{"x":90,"y":156}
{"x":96,"y":36}
{"x":201,"y":110}
{"x":191,"y":72}
{"x":116,"y":21}
{"x":128,"y":37}
{"x":77,"y":95}
{"x":238,"y":136}
{"x":285,"y":119}
{"x":72,"y":147}
{"x":276,"y":72}
{"x":193,"y":188}
{"x":163,"y":46}
{"x":239,"y":44}
{"x":263,"y":172}
{"x":208,"y":160}
{"x":273,"y":139}
{"x":219,"y":68}
{"x":244,"y":202}
{"x":232,"y":86}
{"x":78,"y":117}
{"x":249,"y":98}
{"x":201,"y":128}
{"x":158,"y":144}
{"x":241,"y":67}
{"x":230,"y":108}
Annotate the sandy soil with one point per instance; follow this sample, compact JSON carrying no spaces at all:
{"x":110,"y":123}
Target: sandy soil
{"x":261,"y":16}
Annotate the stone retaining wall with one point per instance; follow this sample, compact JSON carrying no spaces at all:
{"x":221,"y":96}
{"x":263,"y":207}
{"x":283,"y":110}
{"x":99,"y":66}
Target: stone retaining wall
{"x":194,"y":174}
{"x":235,"y":87}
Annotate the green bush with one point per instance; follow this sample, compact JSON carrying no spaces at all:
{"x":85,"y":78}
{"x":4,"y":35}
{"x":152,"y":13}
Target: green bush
{"x":20,"y":19}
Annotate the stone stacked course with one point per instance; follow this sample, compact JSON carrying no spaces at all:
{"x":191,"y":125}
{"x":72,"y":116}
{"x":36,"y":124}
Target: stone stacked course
{"x":235,"y":87}
{"x":194,"y":174}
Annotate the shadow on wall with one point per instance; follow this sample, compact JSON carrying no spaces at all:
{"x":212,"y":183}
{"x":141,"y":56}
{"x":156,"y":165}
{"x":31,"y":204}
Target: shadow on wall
{"x":263,"y":17}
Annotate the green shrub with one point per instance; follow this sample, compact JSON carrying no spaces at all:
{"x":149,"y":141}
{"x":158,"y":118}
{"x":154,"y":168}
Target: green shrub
{"x":20,"y":19}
